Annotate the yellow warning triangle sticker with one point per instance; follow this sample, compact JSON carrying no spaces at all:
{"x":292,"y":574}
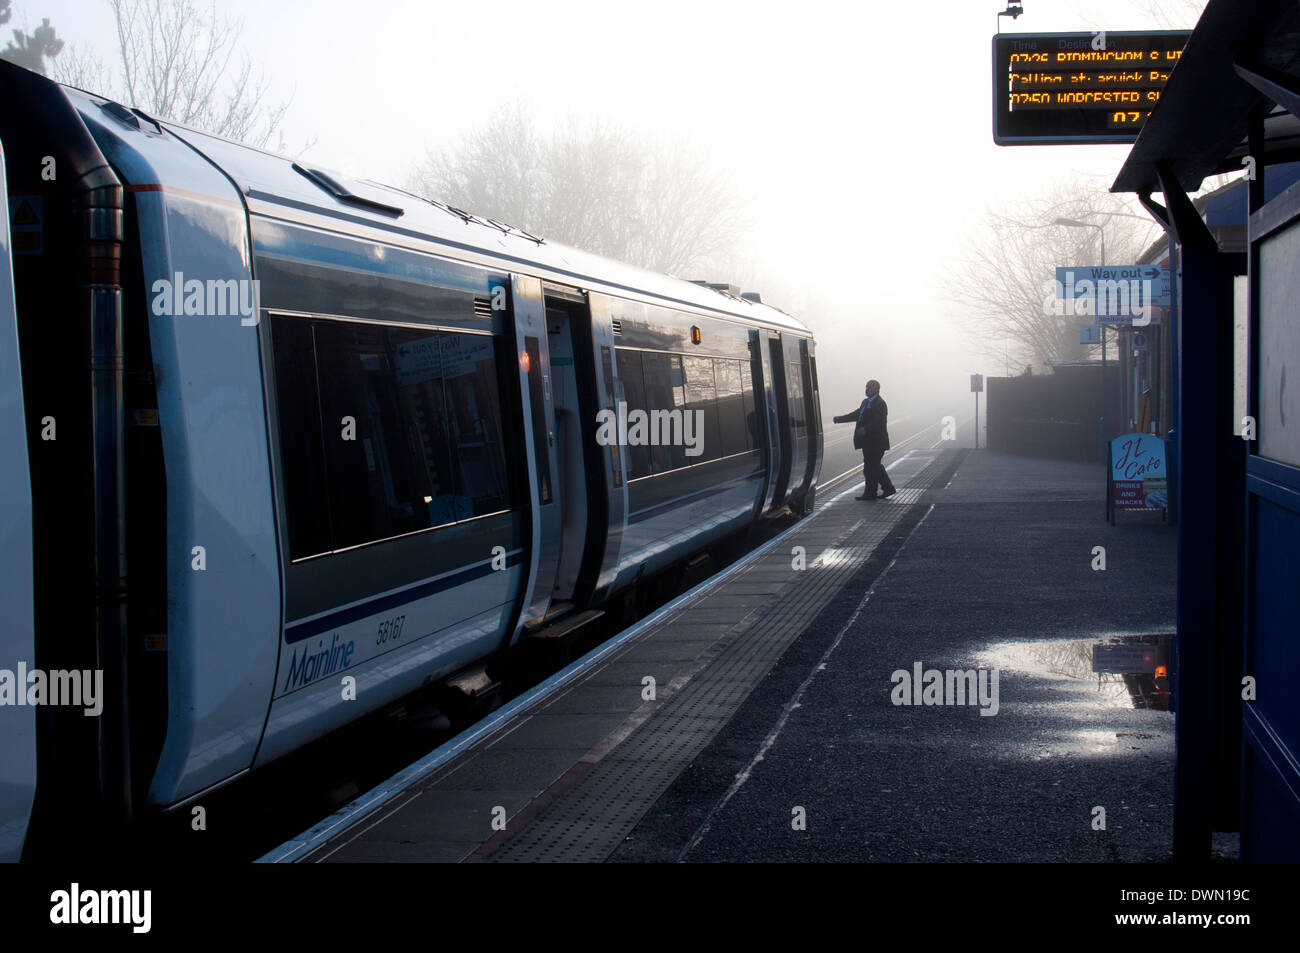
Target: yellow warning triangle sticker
{"x":25,"y":215}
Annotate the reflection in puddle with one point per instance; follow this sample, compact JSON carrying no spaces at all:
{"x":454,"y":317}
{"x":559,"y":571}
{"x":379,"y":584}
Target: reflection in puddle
{"x":1129,"y":671}
{"x":1070,"y":711}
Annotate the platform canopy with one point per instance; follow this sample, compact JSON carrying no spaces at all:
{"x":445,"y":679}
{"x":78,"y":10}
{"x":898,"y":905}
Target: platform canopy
{"x":1237,"y":52}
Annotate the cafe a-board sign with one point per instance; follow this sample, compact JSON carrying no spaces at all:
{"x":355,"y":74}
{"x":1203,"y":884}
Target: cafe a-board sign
{"x":1139,"y":478}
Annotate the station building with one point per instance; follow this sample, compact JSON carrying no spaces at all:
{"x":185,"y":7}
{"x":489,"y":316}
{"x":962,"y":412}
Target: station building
{"x":1233,"y":102}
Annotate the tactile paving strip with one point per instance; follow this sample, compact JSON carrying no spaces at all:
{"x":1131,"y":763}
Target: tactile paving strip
{"x":589,"y":821}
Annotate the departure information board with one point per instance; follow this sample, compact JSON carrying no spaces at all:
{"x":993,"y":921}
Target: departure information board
{"x":1063,"y":88}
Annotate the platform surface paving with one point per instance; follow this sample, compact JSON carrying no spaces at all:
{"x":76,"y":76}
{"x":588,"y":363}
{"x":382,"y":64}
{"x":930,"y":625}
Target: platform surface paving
{"x":999,"y":575}
{"x":572,"y":775}
{"x":771,"y":734}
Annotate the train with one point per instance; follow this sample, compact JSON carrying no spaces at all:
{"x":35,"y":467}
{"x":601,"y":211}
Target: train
{"x":285,"y":446}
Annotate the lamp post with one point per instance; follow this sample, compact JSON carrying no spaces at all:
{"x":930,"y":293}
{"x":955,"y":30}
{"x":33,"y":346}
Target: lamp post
{"x":1013,"y":10}
{"x":1101,"y":327}
{"x":1075,"y":223}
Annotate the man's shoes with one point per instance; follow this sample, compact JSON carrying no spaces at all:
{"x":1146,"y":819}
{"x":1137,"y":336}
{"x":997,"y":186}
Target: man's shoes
{"x":885,"y":496}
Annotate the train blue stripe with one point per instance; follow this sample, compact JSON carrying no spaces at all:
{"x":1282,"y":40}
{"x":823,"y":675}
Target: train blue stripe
{"x":297,"y":631}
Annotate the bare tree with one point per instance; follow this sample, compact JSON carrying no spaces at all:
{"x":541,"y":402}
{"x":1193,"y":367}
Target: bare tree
{"x":78,"y":66}
{"x":178,"y":60}
{"x":30,"y":50}
{"x":690,"y":213}
{"x":1004,"y":279}
{"x":1173,"y":14}
{"x":595,"y":185}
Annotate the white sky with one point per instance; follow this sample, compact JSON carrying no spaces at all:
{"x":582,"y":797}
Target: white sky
{"x":859,"y":189}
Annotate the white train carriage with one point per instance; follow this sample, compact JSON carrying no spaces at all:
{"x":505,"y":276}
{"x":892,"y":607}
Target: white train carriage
{"x":320,"y":443}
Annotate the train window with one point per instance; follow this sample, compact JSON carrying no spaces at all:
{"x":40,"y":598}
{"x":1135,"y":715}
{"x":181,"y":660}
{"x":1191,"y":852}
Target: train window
{"x":474,"y":413}
{"x":630,"y":374}
{"x":677,"y":382}
{"x":702,"y":396}
{"x":384,"y":431}
{"x":731,"y":407}
{"x":607,"y":401}
{"x":536,"y":401}
{"x":385,"y":436}
{"x":302,"y":454}
{"x":417,"y":377}
{"x":811,"y":392}
{"x":794,"y":397}
{"x":665,"y":390}
{"x":751,"y":417}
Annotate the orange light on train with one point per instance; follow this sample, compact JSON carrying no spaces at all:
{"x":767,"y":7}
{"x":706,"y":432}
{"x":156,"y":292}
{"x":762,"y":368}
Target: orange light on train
{"x":525,"y":362}
{"x":695,"y":334}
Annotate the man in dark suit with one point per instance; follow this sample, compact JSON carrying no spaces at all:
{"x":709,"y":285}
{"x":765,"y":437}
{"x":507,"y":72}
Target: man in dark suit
{"x":871,"y":436}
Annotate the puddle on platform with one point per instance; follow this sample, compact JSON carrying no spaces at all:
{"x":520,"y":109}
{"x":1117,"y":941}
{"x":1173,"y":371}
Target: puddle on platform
{"x":1126,"y":671}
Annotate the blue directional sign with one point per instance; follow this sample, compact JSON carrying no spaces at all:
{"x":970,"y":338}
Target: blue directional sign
{"x":1095,"y":281}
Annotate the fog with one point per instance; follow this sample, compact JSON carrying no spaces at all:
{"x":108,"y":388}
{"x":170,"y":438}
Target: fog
{"x":861,"y":138}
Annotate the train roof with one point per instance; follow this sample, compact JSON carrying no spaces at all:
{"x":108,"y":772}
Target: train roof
{"x":277,"y":186}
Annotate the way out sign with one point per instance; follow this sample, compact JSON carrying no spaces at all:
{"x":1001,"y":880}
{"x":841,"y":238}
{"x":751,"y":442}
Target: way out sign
{"x":1139,"y":477}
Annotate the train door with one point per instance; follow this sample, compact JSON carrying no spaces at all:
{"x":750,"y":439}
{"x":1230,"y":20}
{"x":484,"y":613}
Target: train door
{"x":532,"y":345}
{"x":812,"y":415}
{"x":797,"y":412}
{"x":17,"y":636}
{"x":765,"y":415}
{"x":566,"y":319}
{"x":816,"y":409}
{"x":780,"y":412}
{"x":606,"y":546}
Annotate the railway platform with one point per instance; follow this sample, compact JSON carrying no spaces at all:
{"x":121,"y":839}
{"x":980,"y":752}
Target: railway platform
{"x":763,"y":716}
